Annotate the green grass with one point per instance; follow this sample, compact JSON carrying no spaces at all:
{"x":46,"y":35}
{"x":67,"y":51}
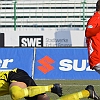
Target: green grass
{"x":68,"y":86}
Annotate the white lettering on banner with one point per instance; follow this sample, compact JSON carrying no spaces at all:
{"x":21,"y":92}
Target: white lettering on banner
{"x":31,"y":42}
{"x":4,"y":63}
{"x":67,"y":65}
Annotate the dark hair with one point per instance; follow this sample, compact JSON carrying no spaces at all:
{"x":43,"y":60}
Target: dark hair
{"x":98,"y":5}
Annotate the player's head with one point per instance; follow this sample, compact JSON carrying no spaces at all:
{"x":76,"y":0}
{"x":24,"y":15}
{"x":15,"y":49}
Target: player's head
{"x":98,"y":5}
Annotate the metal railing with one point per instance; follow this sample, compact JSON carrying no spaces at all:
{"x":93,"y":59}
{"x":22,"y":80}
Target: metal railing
{"x":19,"y":14}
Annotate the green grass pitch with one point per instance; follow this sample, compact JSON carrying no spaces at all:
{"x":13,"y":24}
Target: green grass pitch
{"x":68,"y":86}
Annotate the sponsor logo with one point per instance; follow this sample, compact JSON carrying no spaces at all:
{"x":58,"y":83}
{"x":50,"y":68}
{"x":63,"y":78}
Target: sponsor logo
{"x":31,"y":41}
{"x":68,"y":65}
{"x":4,"y":64}
{"x":46,"y":64}
{"x":58,"y":42}
{"x":65,"y":65}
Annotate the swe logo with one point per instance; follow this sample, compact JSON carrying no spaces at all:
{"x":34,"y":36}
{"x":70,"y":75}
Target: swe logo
{"x":46,"y":64}
{"x":31,"y":41}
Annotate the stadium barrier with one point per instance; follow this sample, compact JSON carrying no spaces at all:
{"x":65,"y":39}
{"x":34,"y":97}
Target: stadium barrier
{"x":16,"y":58}
{"x":49,"y":63}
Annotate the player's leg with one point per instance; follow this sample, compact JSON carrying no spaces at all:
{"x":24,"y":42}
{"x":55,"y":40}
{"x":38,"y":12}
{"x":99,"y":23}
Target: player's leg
{"x":35,"y":90}
{"x":19,"y":90}
{"x":28,"y":88}
{"x":55,"y":89}
{"x":97,"y":68}
{"x":89,"y":92}
{"x":75,"y":96}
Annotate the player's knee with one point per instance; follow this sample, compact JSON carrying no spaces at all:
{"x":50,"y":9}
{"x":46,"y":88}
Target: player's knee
{"x":16,"y":92}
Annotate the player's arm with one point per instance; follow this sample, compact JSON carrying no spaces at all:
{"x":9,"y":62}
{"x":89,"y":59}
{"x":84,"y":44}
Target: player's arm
{"x":89,"y":32}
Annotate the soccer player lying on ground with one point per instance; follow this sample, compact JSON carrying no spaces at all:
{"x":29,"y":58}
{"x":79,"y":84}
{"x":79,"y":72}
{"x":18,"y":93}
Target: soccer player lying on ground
{"x":19,"y":85}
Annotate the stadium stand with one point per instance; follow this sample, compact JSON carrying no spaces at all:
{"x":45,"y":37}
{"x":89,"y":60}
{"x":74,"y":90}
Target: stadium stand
{"x":45,"y":13}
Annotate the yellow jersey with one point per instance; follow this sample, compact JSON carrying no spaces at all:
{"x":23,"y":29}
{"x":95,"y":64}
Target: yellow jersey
{"x":4,"y":84}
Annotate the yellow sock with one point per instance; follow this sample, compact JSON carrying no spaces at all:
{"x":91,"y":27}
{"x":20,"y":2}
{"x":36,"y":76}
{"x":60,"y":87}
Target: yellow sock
{"x":76,"y":96}
{"x":85,"y":93}
{"x":16,"y":93}
{"x":35,"y":90}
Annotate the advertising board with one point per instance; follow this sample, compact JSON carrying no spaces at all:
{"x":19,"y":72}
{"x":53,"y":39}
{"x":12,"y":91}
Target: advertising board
{"x":11,"y":58}
{"x":63,"y":63}
{"x":45,"y":38}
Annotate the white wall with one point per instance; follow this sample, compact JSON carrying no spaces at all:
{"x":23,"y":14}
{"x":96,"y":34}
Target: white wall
{"x":51,"y":38}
